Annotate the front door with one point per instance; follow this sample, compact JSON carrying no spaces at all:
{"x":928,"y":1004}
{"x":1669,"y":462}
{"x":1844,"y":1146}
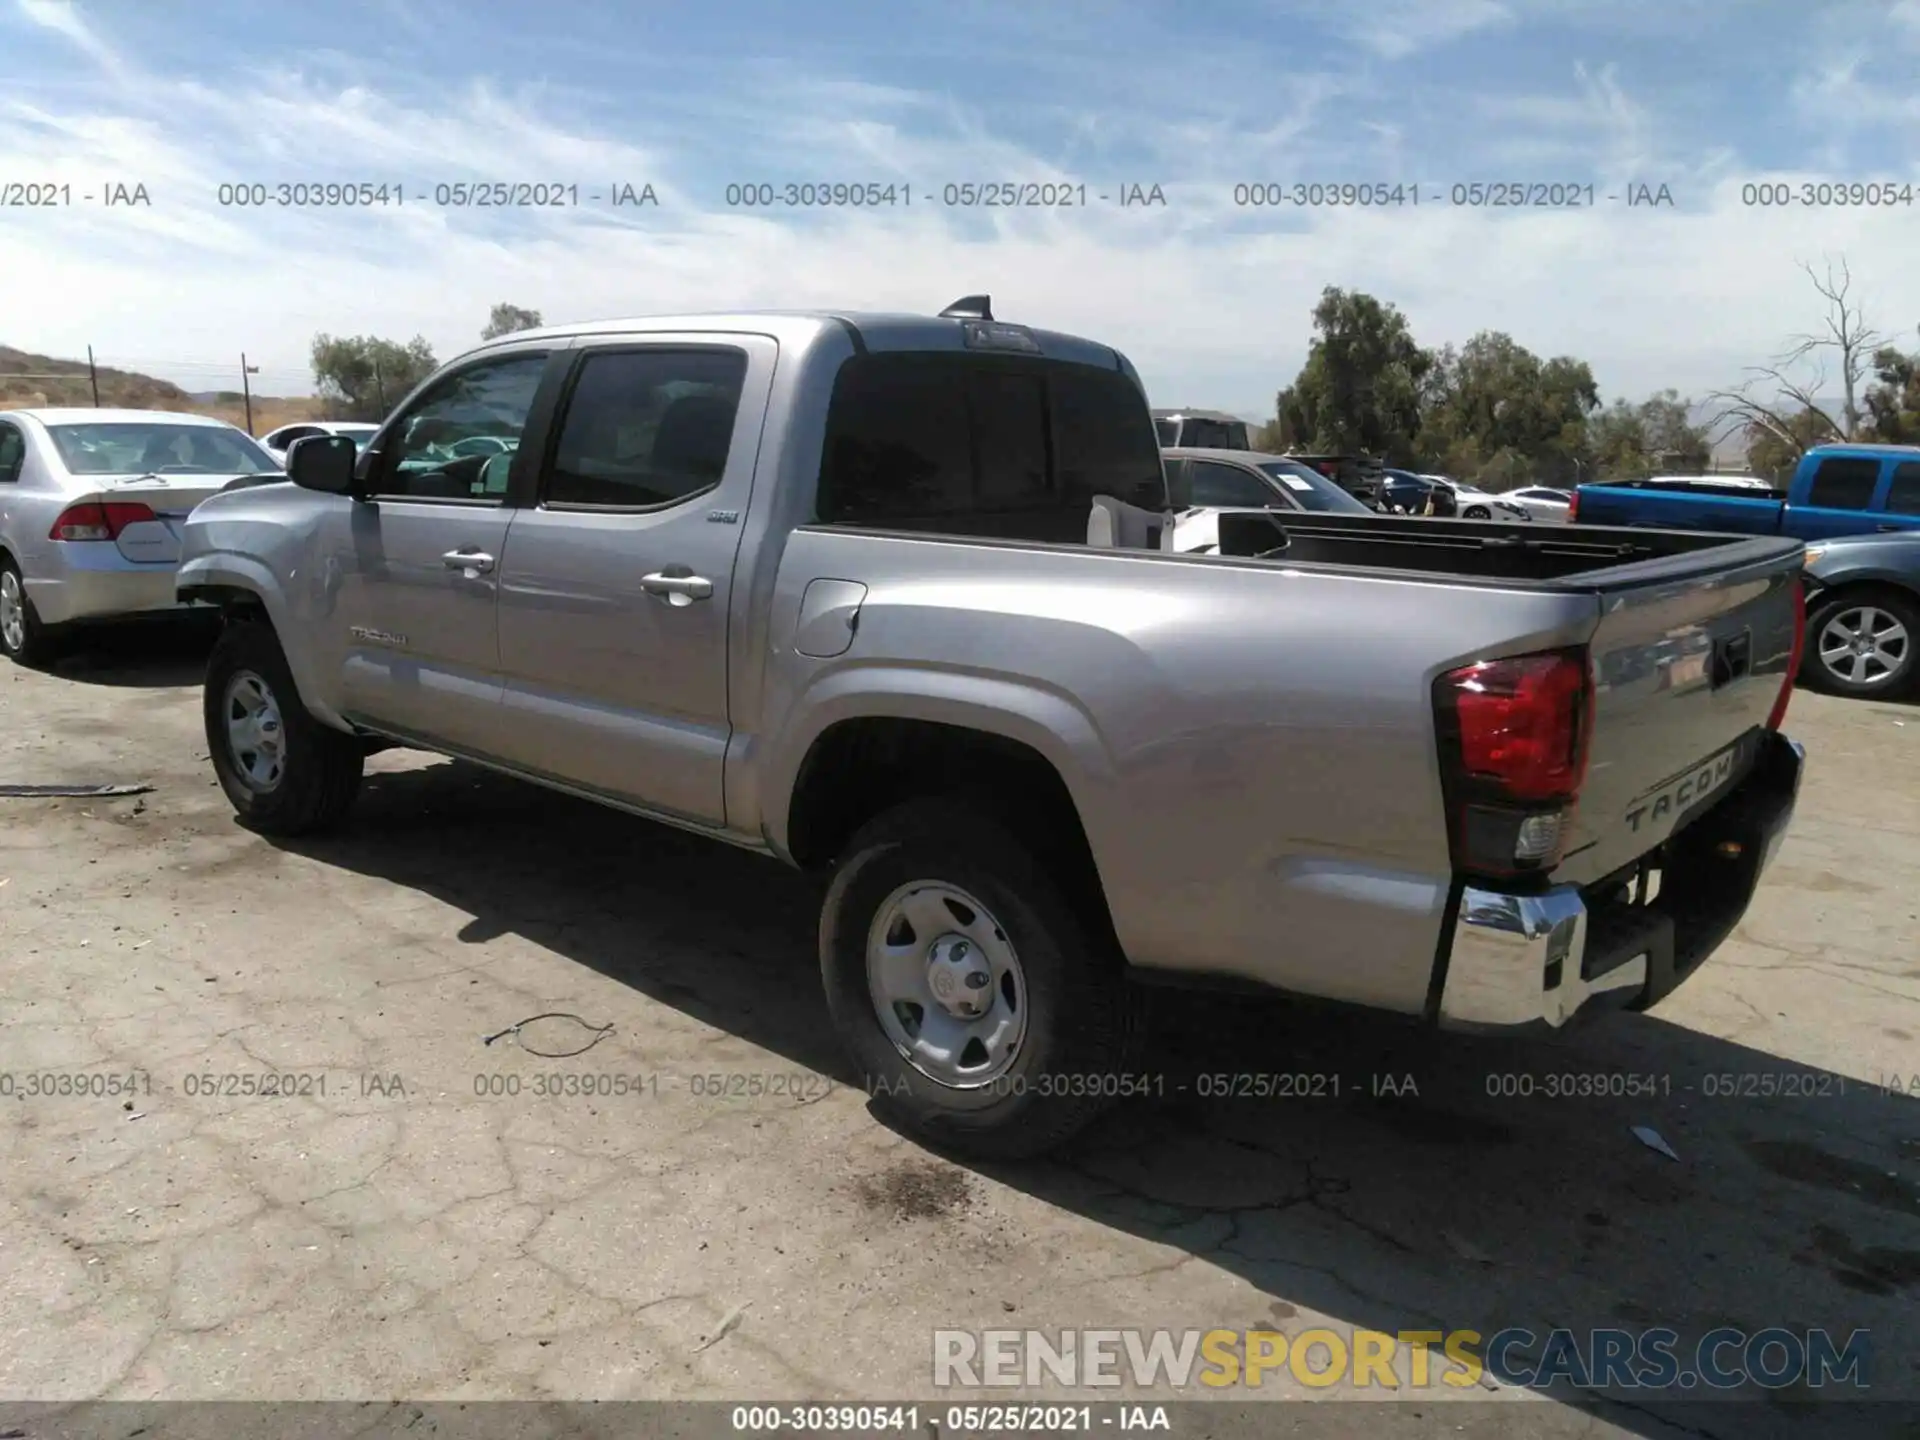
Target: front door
{"x":618,"y":582}
{"x":418,"y":562}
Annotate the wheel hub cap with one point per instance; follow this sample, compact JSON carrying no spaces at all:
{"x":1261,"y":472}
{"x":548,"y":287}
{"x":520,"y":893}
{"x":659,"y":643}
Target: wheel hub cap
{"x":1864,"y":646}
{"x":946,"y":986}
{"x":13,"y":611}
{"x":256,"y":740}
{"x":959,"y":977}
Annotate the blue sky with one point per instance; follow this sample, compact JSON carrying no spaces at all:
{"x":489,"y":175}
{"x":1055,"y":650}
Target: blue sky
{"x":1210,"y":298}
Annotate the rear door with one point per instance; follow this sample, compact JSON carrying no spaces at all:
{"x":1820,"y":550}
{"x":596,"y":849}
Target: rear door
{"x":1837,"y":499}
{"x":414,"y":569}
{"x":617,"y":584}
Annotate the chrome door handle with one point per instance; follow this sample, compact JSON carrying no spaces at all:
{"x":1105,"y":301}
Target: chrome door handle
{"x":679,"y":589}
{"x":474,"y":562}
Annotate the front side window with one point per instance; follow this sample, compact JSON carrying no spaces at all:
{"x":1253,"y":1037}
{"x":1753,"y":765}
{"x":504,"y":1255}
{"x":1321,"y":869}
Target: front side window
{"x":440,"y":450}
{"x":1903,"y":495}
{"x":645,"y":428}
{"x":158,"y":447}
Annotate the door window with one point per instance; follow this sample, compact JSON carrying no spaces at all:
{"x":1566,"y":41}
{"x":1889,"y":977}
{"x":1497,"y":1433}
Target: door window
{"x":441,"y":448}
{"x":647,"y":428}
{"x":13,"y":453}
{"x":971,"y":446}
{"x":1903,"y":495}
{"x":1228,"y":486}
{"x":1844,"y":484}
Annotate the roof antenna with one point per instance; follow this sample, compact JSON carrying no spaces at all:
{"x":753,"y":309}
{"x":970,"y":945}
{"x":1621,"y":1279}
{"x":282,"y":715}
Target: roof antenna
{"x":969,"y":307}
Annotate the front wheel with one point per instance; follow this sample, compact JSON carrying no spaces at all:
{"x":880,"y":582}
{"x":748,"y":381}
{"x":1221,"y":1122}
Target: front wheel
{"x":1862,"y":644}
{"x":982,"y":1008}
{"x":1476,"y":512}
{"x":284,"y":772}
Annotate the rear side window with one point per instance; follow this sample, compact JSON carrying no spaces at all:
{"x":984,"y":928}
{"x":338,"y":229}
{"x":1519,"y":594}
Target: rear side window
{"x":1228,"y":486}
{"x":13,"y":452}
{"x":646,"y":428}
{"x":1844,"y":484}
{"x":984,"y":446}
{"x":1903,"y":495}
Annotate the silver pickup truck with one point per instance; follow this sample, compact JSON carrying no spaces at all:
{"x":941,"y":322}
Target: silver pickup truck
{"x":893,"y":597}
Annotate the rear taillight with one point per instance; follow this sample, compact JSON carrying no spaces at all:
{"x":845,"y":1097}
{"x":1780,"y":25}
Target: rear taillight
{"x":1573,"y":508}
{"x":1794,"y":654}
{"x":1514,"y":737}
{"x":92,"y":520}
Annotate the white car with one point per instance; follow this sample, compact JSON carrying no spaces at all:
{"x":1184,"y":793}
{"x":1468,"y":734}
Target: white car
{"x":278,"y":442}
{"x":91,"y":505}
{"x":1473,"y":503}
{"x":1543,"y":502}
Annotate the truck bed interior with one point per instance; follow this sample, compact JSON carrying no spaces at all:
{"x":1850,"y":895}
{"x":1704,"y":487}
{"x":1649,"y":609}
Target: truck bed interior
{"x":1470,"y":548}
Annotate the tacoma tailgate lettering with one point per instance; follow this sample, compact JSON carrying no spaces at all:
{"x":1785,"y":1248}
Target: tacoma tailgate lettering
{"x":1677,"y":795}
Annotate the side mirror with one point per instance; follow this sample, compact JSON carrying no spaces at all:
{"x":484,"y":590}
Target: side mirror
{"x":324,"y":463}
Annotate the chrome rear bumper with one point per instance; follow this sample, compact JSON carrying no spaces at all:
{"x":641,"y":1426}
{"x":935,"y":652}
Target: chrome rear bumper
{"x":1527,"y":960}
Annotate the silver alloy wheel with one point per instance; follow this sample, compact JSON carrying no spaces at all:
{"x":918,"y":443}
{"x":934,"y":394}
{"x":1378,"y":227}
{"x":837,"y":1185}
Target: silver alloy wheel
{"x":13,"y":611}
{"x":1864,"y":645}
{"x":256,"y":741}
{"x":947,"y":988}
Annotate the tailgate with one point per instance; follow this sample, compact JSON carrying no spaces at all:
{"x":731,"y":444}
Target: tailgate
{"x":172,"y":499}
{"x":1687,"y":671}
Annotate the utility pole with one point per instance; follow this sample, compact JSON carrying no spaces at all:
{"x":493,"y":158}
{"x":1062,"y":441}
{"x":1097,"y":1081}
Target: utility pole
{"x":93,"y":378}
{"x":246,"y":390}
{"x":380,"y":388}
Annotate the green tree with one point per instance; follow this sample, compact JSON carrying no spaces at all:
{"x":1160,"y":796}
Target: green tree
{"x":1359,"y":391}
{"x":1630,"y":442}
{"x":1497,"y":414}
{"x":361,"y":377}
{"x":505,"y":319}
{"x":1775,"y":444}
{"x":1893,"y":402}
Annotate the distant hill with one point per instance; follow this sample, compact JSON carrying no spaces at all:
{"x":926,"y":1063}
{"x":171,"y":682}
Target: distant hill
{"x":24,"y":384}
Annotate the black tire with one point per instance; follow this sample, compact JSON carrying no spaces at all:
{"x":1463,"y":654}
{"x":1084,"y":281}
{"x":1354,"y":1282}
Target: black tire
{"x":1901,"y":679}
{"x":1476,"y":512}
{"x":1083,"y":1022}
{"x":320,"y":767}
{"x":38,"y":643}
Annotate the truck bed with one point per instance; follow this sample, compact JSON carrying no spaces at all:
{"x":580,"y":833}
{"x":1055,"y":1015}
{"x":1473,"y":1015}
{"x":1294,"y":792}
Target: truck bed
{"x":1703,"y":507}
{"x":1595,"y":556}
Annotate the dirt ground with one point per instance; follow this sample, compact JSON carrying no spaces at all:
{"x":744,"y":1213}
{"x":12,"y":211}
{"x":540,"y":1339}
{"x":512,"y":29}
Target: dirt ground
{"x":427,"y":1226}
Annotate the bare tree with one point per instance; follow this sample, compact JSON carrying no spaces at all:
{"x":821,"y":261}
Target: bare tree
{"x":1794,"y":416}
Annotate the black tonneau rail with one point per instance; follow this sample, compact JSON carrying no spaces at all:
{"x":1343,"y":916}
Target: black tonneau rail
{"x":1598,"y":557}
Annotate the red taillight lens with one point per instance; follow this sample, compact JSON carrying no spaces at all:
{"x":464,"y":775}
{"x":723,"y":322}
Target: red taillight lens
{"x":1523,"y":723}
{"x":1573,"y":508}
{"x":1794,"y":654}
{"x":93,"y":520}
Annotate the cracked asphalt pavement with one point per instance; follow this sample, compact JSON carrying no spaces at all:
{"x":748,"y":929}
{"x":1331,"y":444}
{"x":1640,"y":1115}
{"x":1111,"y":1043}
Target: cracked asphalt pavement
{"x":698,"y":1204}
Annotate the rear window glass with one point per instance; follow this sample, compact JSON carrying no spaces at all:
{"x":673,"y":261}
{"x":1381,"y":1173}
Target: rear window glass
{"x":1214,"y":435}
{"x":1844,"y":484}
{"x":159,"y":448}
{"x":984,"y":446}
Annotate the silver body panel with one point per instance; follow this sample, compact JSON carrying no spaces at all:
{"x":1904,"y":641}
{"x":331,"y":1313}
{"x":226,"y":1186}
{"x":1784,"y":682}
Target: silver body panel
{"x":1250,"y":745}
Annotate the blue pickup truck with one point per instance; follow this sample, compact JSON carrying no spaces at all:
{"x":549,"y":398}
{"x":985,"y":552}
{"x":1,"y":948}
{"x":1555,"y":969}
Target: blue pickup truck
{"x":1835,"y":490}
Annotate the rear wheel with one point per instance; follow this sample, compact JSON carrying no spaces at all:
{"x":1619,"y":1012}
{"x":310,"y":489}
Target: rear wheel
{"x":983,"y":1010}
{"x":284,"y":772}
{"x":23,"y":637}
{"x":1476,"y":512}
{"x":1861,"y":643}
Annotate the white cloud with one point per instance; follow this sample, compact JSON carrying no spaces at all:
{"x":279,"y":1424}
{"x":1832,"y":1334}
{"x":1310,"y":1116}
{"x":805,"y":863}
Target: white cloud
{"x":1395,"y":29}
{"x":1212,"y":302}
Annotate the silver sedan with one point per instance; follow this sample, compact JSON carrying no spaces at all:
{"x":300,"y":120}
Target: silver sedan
{"x":91,"y":504}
